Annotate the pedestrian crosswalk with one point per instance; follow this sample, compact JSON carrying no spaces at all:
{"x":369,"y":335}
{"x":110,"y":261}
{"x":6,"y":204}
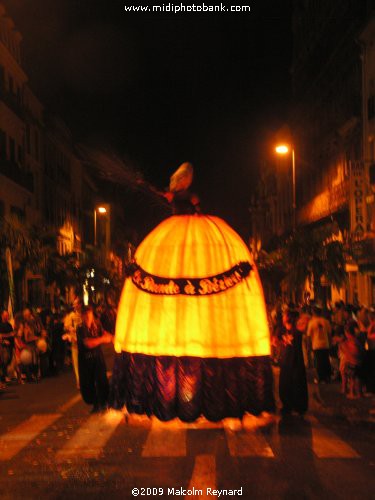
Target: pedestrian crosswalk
{"x":247,"y":444}
{"x":91,"y":437}
{"x":16,"y":439}
{"x":327,"y":445}
{"x":204,"y":474}
{"x":164,"y":439}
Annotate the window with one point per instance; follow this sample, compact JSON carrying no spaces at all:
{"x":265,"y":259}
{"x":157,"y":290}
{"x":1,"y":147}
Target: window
{"x":36,"y":144}
{"x":3,"y":145}
{"x":11,"y":85}
{"x":372,"y":174}
{"x":19,"y":95}
{"x":371,"y":107}
{"x":2,"y":79}
{"x":28,"y":146}
{"x":12,"y":150}
{"x":20,"y":155}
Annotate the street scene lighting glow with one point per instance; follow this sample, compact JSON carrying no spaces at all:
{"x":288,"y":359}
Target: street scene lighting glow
{"x":187,"y":258}
{"x":282,"y":149}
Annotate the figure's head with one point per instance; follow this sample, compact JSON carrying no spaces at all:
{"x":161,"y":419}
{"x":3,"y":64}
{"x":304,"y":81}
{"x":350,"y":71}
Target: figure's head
{"x":110,"y":299}
{"x":88,"y":315}
{"x":317,"y":311}
{"x":351,"y":328}
{"x":289,"y":318}
{"x":26,"y":328}
{"x":182,"y":178}
{"x":27,"y":314}
{"x":18,"y":324}
{"x":4,"y":316}
{"x":77,"y":305}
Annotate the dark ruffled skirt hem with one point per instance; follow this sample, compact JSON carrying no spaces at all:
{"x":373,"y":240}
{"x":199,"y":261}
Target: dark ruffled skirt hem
{"x":188,"y":387}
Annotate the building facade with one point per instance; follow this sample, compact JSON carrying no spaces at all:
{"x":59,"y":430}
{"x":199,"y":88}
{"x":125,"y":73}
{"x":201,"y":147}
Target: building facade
{"x":365,"y":247}
{"x":44,"y":181}
{"x":328,"y":124}
{"x":331,"y":127}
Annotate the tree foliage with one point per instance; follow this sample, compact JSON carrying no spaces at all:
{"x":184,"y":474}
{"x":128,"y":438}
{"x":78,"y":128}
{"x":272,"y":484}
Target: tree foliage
{"x":308,"y":255}
{"x":311,"y":254}
{"x":34,"y":248}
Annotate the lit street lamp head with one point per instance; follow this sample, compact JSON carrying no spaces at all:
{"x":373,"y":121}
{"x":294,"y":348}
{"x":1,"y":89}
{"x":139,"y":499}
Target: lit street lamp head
{"x":282,"y":149}
{"x":102,"y":210}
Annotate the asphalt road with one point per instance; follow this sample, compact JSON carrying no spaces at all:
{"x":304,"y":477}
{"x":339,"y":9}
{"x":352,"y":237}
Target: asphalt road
{"x":51,"y":447}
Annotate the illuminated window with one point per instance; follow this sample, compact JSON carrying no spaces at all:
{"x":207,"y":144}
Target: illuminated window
{"x":3,"y":145}
{"x":371,"y":107}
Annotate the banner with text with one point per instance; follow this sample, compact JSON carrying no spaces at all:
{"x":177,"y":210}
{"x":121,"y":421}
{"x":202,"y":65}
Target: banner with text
{"x":358,"y":207}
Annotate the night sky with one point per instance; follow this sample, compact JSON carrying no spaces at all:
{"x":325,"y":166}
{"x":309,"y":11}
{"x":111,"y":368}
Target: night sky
{"x":160,"y":89}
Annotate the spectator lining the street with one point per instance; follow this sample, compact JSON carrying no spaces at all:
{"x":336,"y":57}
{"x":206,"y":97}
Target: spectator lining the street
{"x":301,"y":325}
{"x":293,"y":384}
{"x":56,"y":333}
{"x":370,"y":381}
{"x":92,"y":368}
{"x":6,"y":347}
{"x":109,"y":314}
{"x":338,"y":314}
{"x":30,"y":338}
{"x":363,"y":324}
{"x":352,"y":358}
{"x":71,"y":322}
{"x":19,"y":345}
{"x":319,"y":331}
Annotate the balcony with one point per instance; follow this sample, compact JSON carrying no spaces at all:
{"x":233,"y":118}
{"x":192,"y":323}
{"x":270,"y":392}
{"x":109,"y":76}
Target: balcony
{"x":330,"y":201}
{"x":13,"y":172}
{"x":13,"y":102}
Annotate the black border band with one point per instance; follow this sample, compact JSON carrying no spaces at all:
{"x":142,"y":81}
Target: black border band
{"x":218,"y":283}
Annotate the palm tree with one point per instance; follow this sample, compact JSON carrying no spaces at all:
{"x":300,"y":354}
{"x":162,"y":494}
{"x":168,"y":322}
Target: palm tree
{"x":311,"y":254}
{"x":25,"y":249}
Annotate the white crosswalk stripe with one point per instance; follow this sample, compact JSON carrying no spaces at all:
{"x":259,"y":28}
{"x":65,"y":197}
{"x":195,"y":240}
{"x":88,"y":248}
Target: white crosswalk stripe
{"x":165,"y":439}
{"x":18,"y":438}
{"x":247,"y":444}
{"x":204,"y":475}
{"x":326,"y":444}
{"x":71,"y":402}
{"x":91,"y":438}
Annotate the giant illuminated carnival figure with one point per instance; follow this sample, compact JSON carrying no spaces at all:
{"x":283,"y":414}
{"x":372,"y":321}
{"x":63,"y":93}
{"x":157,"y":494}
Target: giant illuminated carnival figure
{"x":192,"y":336}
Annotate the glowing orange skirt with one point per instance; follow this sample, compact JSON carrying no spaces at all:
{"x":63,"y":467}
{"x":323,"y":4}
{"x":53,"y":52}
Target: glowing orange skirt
{"x":191,"y":318}
{"x":224,"y":325}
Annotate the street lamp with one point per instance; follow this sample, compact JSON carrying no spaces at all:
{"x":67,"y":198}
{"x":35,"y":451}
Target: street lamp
{"x":100,"y":210}
{"x":283,"y":149}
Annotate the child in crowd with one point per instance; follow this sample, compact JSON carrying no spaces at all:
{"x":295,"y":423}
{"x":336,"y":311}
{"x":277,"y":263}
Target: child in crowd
{"x":350,"y":361}
{"x":19,"y":345}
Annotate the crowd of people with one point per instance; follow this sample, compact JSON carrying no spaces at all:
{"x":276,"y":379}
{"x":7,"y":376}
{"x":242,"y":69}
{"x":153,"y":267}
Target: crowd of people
{"x":36,"y":344}
{"x":337,"y":344}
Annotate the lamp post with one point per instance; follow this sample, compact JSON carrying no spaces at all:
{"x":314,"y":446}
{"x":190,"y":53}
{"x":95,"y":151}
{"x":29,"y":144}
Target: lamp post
{"x":100,"y":210}
{"x":283,"y":149}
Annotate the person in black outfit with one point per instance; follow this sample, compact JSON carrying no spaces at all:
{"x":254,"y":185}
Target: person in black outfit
{"x":91,"y":364}
{"x":108,"y":316}
{"x":55,"y":333}
{"x":293,"y":384}
{"x":6,"y":346}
